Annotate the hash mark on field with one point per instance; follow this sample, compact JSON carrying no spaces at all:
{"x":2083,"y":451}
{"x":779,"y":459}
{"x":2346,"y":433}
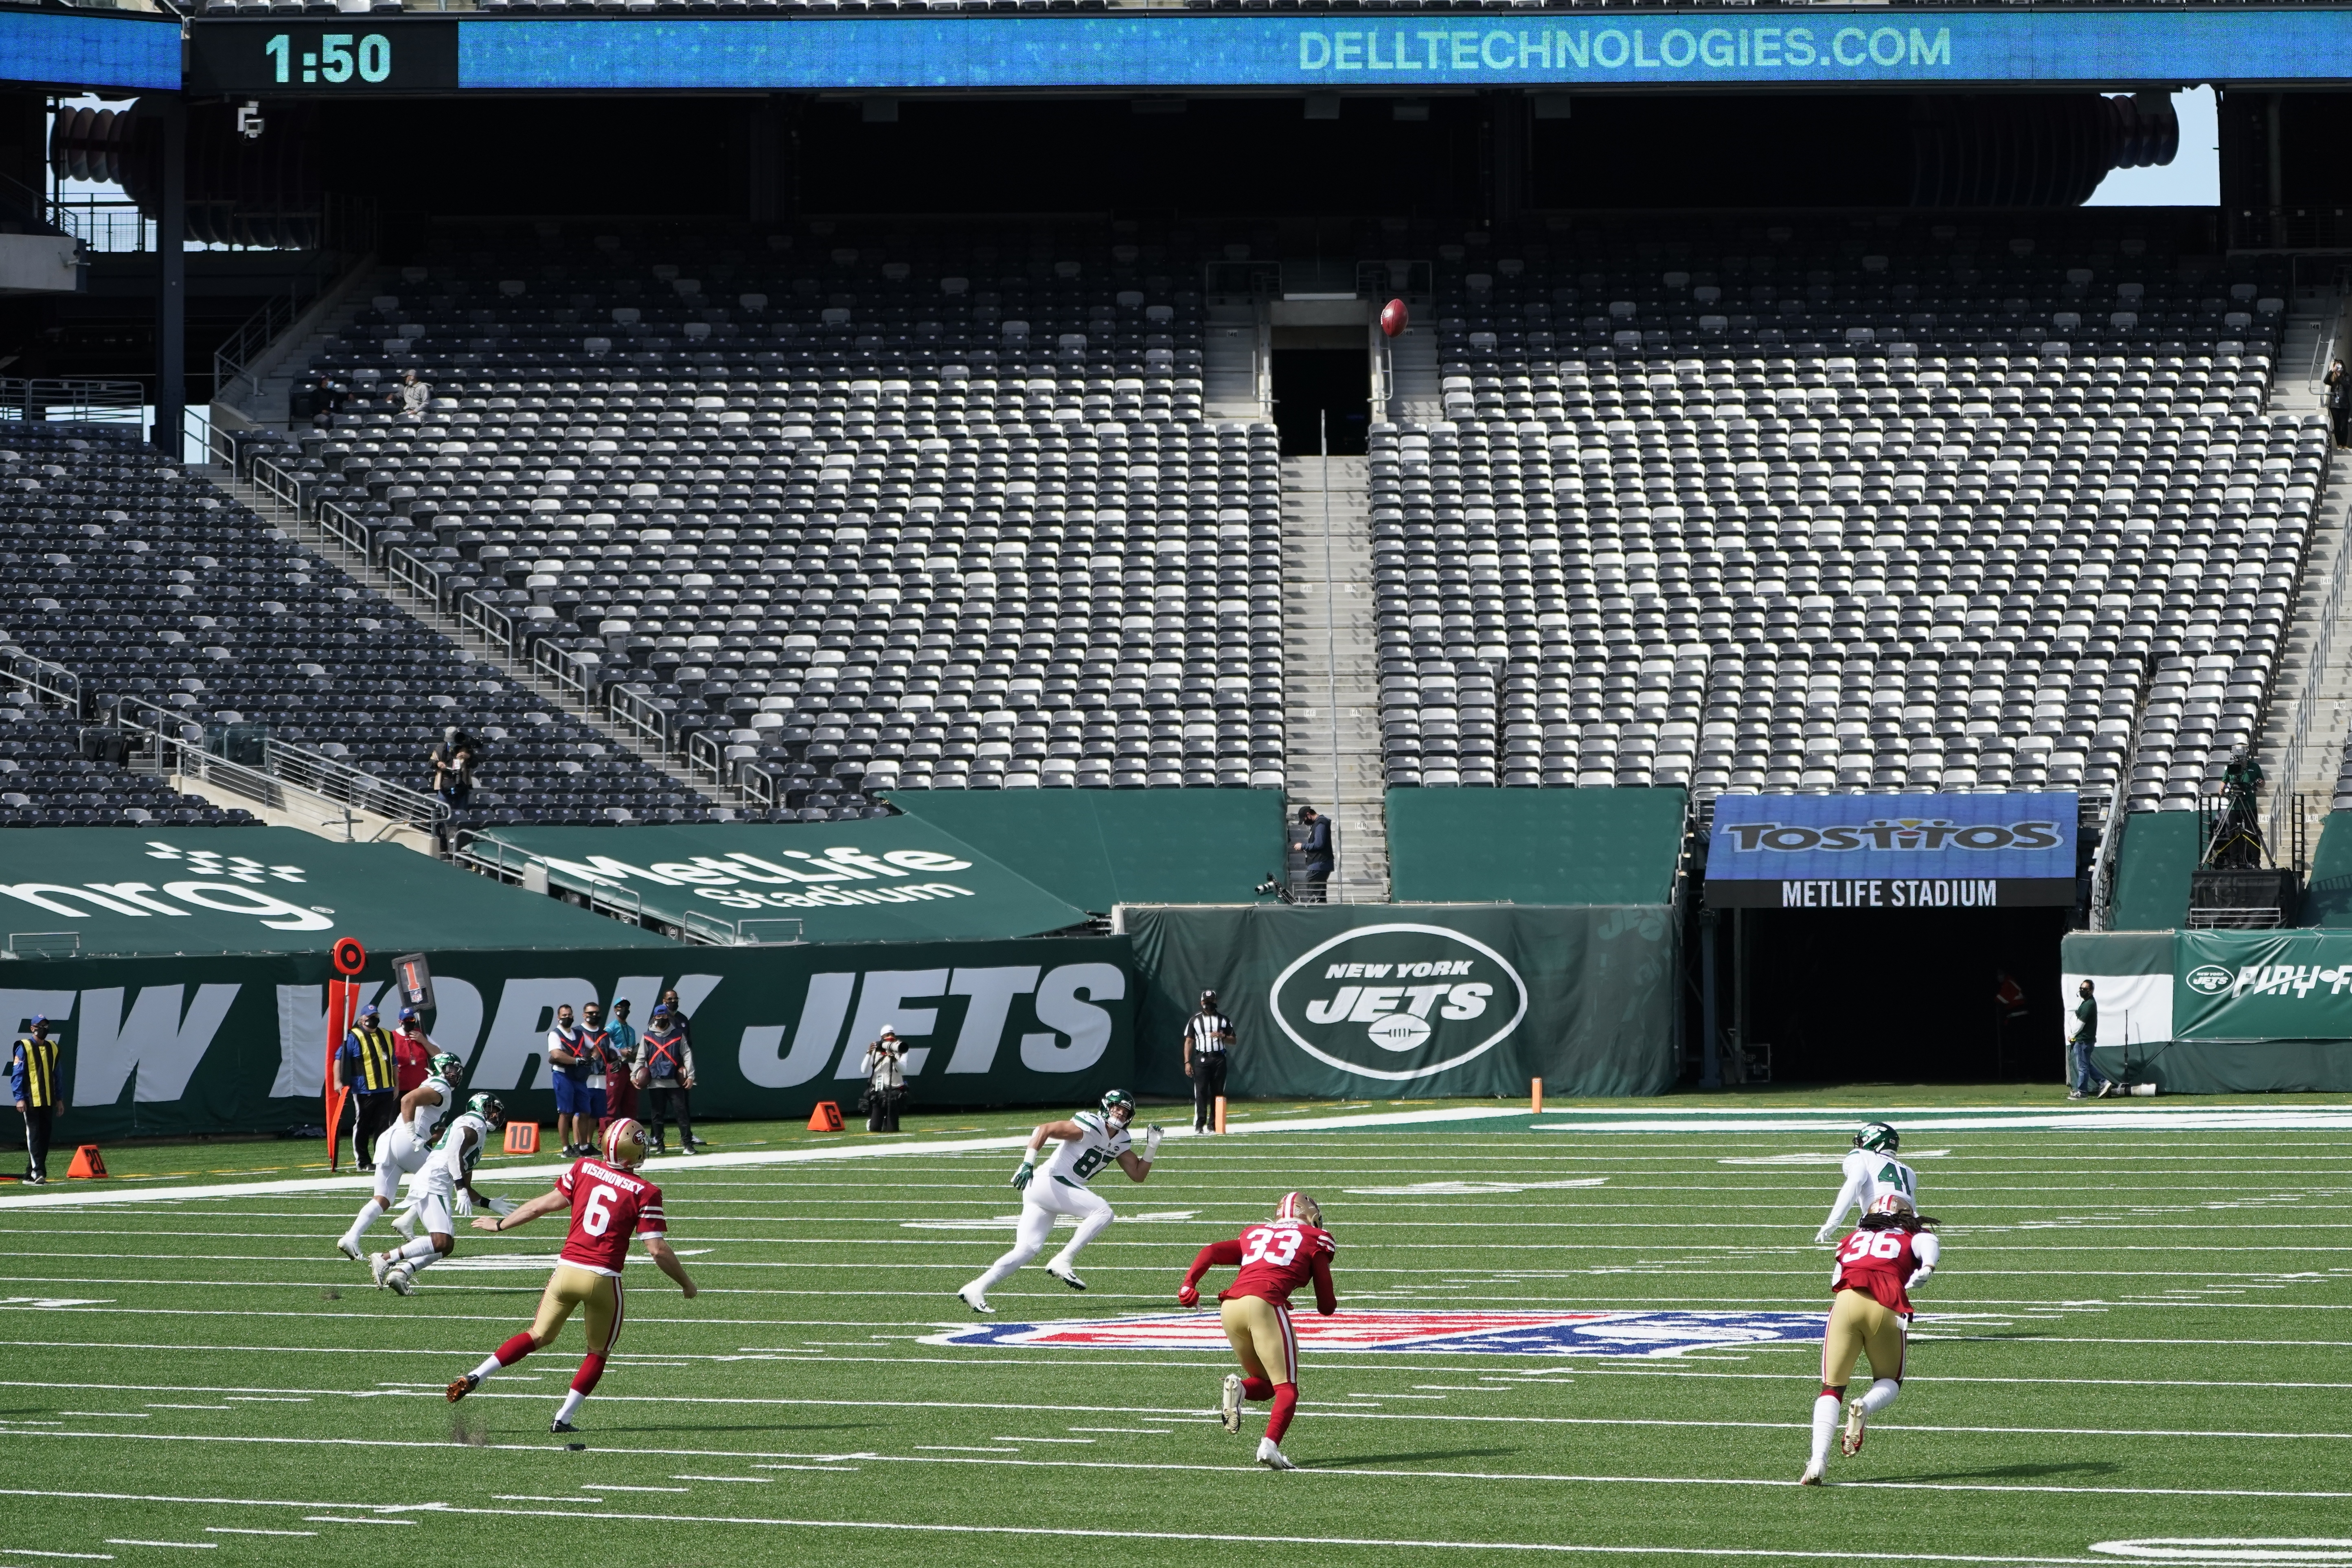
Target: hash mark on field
{"x":123,"y":1414}
{"x":236,"y":1530}
{"x":519,"y":1497}
{"x":756,"y":1480}
{"x":1042,"y":1440}
{"x":337,"y":1518}
{"x":635,"y":1488}
{"x":185,"y":1545}
{"x":1138,"y":1431}
{"x":29,"y":1552}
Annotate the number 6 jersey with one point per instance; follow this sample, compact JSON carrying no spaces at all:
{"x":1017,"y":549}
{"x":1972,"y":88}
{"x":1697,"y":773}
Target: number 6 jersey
{"x":608,"y":1207}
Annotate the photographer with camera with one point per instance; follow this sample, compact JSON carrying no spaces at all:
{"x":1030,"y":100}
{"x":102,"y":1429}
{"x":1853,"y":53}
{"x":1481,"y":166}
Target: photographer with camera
{"x":886,"y":1079}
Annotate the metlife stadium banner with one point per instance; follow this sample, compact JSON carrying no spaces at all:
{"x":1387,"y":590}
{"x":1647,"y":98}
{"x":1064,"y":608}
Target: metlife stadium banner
{"x":1893,"y":852}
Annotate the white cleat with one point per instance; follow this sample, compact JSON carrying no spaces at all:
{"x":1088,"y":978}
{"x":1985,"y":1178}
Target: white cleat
{"x":970,"y":1297}
{"x":1812,"y":1475}
{"x":380,"y":1266}
{"x":1229,"y":1402}
{"x":405,"y":1223}
{"x":351,"y":1250}
{"x":1271,"y":1457}
{"x":401,"y":1282}
{"x":1061,"y":1271}
{"x":1856,"y":1416}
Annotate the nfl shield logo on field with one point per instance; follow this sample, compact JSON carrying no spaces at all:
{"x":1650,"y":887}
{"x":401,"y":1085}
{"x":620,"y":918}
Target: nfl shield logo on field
{"x":1648,"y":1333}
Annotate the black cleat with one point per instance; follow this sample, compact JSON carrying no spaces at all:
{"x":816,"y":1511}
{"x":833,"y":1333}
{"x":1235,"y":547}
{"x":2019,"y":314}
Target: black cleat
{"x":561,"y":1427}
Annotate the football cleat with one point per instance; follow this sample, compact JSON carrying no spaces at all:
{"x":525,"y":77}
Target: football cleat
{"x":1878,"y":1138}
{"x":405,"y":1223}
{"x":461,"y":1386}
{"x":1229,"y":1402}
{"x":970,"y":1297}
{"x":351,"y":1250}
{"x":1812,"y":1475}
{"x":560,"y":1426}
{"x":1271,"y":1457}
{"x":380,"y":1265}
{"x":1061,"y":1271}
{"x":400,"y":1282}
{"x":1856,"y":1416}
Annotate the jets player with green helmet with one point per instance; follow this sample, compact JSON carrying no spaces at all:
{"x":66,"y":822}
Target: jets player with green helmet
{"x":1084,"y":1145}
{"x":401,"y":1151}
{"x":1871,"y":1172}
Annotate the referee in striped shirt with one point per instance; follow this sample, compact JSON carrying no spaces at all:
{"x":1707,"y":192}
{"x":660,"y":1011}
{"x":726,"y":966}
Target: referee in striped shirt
{"x":1208,"y":1036}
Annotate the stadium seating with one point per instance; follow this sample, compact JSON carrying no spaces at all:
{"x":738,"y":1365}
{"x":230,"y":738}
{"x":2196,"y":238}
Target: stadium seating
{"x":1895,"y":505}
{"x":156,"y":590}
{"x":869,"y":513}
{"x":47,"y":782}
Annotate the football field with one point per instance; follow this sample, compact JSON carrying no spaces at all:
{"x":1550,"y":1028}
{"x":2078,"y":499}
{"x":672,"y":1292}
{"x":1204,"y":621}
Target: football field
{"x":1587,"y":1335}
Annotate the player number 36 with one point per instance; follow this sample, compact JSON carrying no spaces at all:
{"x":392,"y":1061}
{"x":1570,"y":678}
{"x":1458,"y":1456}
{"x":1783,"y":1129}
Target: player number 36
{"x":1274,"y":1247}
{"x":1872,"y":1244}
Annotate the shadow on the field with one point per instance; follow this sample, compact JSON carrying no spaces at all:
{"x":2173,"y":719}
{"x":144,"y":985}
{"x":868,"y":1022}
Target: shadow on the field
{"x":2014,"y":1472}
{"x":1420,"y":1456}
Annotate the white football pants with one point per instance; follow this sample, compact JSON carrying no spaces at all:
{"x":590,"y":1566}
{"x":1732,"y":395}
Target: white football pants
{"x":1040,"y":1205}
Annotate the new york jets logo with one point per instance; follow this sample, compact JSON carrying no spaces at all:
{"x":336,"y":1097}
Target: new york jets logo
{"x":1398,"y":1002}
{"x":2209,"y":980}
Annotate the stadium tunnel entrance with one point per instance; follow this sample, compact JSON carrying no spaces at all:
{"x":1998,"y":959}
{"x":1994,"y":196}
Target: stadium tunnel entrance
{"x":1863,"y":995}
{"x":1314,"y":381}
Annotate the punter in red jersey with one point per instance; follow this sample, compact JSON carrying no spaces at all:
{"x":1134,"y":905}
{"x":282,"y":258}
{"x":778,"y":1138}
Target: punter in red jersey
{"x":1870,"y":1314}
{"x":609,"y":1203}
{"x":1276,"y":1258}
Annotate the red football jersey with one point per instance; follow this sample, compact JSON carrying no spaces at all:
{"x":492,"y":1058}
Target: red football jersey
{"x":608,"y":1207}
{"x":1278,"y":1256}
{"x":1878,"y":1264}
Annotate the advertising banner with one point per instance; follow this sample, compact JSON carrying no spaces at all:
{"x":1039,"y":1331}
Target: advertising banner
{"x":1152,"y":50}
{"x":121,"y":891}
{"x":184,"y":1045}
{"x":1415,"y":1001}
{"x":1892,"y":852}
{"x":880,"y":879}
{"x":2220,"y":1012}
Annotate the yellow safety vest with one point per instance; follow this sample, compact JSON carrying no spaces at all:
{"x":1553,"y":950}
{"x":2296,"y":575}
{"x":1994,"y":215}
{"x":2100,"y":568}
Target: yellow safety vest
{"x":41,"y":1071}
{"x":377,"y":1071}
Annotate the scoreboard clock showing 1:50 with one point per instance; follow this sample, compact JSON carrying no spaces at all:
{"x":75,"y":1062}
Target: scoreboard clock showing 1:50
{"x":335,"y":59}
{"x":323,"y":59}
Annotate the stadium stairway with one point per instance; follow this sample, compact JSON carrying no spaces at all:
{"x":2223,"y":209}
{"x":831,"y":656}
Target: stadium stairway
{"x":1335,"y":747}
{"x":2310,"y":707}
{"x":1232,"y":360}
{"x":1416,"y":392}
{"x":258,"y":395}
{"x":2311,"y":339}
{"x":306,"y":532}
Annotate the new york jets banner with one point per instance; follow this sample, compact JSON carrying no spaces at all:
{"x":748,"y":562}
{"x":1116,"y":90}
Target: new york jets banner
{"x":181,"y":1045}
{"x":1414,"y":1000}
{"x":2211,"y":1012}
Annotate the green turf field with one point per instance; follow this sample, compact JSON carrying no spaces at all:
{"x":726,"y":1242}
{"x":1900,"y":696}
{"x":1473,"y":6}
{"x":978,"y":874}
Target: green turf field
{"x":2138,"y":1334}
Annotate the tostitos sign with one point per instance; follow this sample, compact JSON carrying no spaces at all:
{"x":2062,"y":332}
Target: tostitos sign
{"x":1398,"y":1001}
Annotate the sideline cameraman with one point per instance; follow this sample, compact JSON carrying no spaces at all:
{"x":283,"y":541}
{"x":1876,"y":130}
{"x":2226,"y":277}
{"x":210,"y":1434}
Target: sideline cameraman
{"x":886,"y":1079}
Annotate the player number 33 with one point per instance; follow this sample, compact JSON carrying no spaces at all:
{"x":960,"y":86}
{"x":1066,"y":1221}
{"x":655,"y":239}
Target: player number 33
{"x":1872,"y":1244}
{"x":1270,"y":1246}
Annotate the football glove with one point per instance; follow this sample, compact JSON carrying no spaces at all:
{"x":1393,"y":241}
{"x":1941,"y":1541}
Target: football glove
{"x":1188,"y":1296}
{"x":1151,"y":1136}
{"x":1021,"y":1178}
{"x":464,"y":1205}
{"x":502,"y":1207}
{"x":1825,"y":1236}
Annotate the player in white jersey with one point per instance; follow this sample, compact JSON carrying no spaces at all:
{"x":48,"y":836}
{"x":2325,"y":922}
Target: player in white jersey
{"x":1872,"y":1171}
{"x":448,"y":1171}
{"x":1087,"y":1143}
{"x":401,"y":1152}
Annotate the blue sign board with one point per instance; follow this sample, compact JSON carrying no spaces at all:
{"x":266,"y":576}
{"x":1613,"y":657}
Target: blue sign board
{"x":2113,"y":47}
{"x":56,"y":49}
{"x":1892,"y":852}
